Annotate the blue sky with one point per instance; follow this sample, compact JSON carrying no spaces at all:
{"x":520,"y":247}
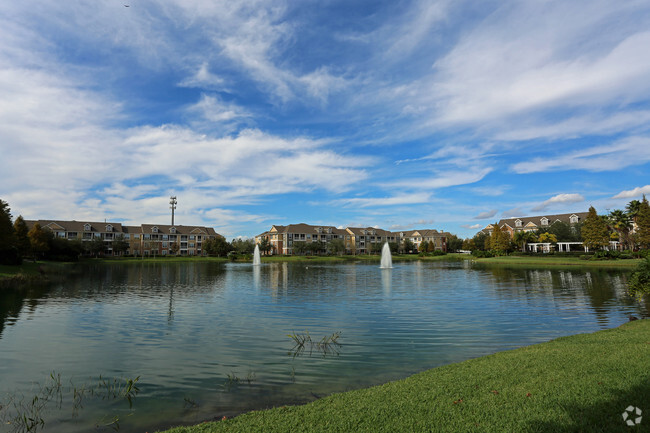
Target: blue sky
{"x":398,"y":114}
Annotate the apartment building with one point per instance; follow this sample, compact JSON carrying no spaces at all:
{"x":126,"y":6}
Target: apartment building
{"x":145,"y":239}
{"x":439,"y":239}
{"x":282,"y":238}
{"x":533,"y":223}
{"x":356,"y":240}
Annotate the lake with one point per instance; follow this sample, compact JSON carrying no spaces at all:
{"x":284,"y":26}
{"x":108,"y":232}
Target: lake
{"x":210,"y":339}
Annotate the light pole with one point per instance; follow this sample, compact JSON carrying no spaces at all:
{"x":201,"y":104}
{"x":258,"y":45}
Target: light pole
{"x":173,"y":203}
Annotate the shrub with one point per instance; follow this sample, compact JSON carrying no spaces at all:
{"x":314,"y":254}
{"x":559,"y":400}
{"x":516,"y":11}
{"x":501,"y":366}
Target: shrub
{"x":640,"y":279}
{"x":482,"y":254}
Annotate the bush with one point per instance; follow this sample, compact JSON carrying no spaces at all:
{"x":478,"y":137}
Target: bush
{"x":640,"y":279}
{"x":482,"y":254}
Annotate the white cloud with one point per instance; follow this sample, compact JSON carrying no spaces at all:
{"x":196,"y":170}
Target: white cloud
{"x":615,"y":156}
{"x":514,"y":212}
{"x":213,"y":109}
{"x":634,"y":193}
{"x":523,"y":57}
{"x":413,"y":198}
{"x":560,"y":198}
{"x":204,"y":79}
{"x":471,"y":227}
{"x":486,"y":214}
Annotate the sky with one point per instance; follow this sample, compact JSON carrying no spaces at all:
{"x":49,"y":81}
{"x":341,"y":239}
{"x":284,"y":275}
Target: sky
{"x":444,"y":115}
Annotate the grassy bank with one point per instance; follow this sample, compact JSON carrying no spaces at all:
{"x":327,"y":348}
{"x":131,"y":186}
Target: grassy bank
{"x":32,"y":273}
{"x":555,"y":261}
{"x":577,"y":383}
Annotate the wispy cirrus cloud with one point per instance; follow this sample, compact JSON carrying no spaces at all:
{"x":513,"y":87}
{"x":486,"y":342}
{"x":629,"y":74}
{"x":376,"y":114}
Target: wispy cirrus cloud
{"x":622,"y":153}
{"x":487,"y":214}
{"x":404,"y":199}
{"x":559,"y":199}
{"x":632,"y":193}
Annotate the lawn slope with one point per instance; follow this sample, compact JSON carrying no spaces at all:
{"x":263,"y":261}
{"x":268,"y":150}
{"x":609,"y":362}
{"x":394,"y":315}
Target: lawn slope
{"x":578,"y":383}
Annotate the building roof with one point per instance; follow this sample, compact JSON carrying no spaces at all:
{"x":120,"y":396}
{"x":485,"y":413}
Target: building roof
{"x":536,"y":221}
{"x":80,"y":227}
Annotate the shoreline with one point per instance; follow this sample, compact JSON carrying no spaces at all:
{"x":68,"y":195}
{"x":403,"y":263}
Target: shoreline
{"x":581,"y":382}
{"x":43,"y":272}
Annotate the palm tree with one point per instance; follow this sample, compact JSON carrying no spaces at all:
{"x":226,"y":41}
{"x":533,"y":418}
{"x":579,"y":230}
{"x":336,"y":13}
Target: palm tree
{"x":622,"y":223}
{"x":524,"y":238}
{"x":632,"y":209}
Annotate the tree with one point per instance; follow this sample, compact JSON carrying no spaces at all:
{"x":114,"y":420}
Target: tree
{"x":8,"y":251}
{"x":622,"y":224}
{"x":564,"y":232}
{"x":424,"y":247}
{"x":120,"y":245}
{"x":39,"y":240}
{"x":454,"y":243}
{"x":314,"y":247}
{"x":265,"y":245}
{"x":299,"y":247}
{"x":640,"y":279}
{"x":594,"y":231}
{"x":633,"y":209}
{"x":375,"y":248}
{"x":643,"y":224}
{"x":407,"y":245}
{"x":6,"y":227}
{"x":337,"y":246}
{"x":243,"y":246}
{"x":217,"y":246}
{"x":499,"y":240}
{"x":21,"y":237}
{"x":481,"y":241}
{"x":96,"y":246}
{"x":547,"y":238}
{"x":394,"y":247}
{"x":522,"y":239}
{"x":469,"y":245}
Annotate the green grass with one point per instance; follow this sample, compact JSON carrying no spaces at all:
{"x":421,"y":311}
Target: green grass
{"x":578,"y":383}
{"x":552,"y":261}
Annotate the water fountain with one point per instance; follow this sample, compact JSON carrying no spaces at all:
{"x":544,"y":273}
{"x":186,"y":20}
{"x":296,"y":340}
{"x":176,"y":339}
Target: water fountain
{"x":386,"y":259}
{"x":256,"y":256}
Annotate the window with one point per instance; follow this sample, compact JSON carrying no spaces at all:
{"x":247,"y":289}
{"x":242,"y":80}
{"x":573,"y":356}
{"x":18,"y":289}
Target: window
{"x":544,"y":221}
{"x":172,"y":230}
{"x":192,"y":237}
{"x":518,"y":223}
{"x":573,"y":219}
{"x":109,"y":228}
{"x":87,"y":227}
{"x":154,"y":229}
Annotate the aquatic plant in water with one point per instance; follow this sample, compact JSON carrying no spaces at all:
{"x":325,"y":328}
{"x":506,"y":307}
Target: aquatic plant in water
{"x":28,"y":413}
{"x":327,"y":345}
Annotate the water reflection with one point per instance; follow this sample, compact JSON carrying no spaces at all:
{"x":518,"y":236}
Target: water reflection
{"x":189,"y":328}
{"x":386,"y":277}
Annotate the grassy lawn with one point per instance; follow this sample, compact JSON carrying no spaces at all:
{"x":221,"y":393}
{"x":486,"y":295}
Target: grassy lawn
{"x":543,"y":261}
{"x":577,"y":383}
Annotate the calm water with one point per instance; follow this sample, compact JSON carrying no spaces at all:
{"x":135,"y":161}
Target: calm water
{"x":210,"y":339}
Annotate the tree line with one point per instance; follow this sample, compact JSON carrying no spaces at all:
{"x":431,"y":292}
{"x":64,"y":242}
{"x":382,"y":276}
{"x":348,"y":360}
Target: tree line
{"x":595,"y":232}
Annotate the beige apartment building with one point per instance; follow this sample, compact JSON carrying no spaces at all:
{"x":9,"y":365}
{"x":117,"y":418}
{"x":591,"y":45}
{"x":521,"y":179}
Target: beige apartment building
{"x":356,"y":240}
{"x":530,"y":224}
{"x":143,"y":240}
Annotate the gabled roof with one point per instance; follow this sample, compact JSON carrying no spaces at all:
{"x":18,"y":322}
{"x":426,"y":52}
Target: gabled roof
{"x":536,"y":221}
